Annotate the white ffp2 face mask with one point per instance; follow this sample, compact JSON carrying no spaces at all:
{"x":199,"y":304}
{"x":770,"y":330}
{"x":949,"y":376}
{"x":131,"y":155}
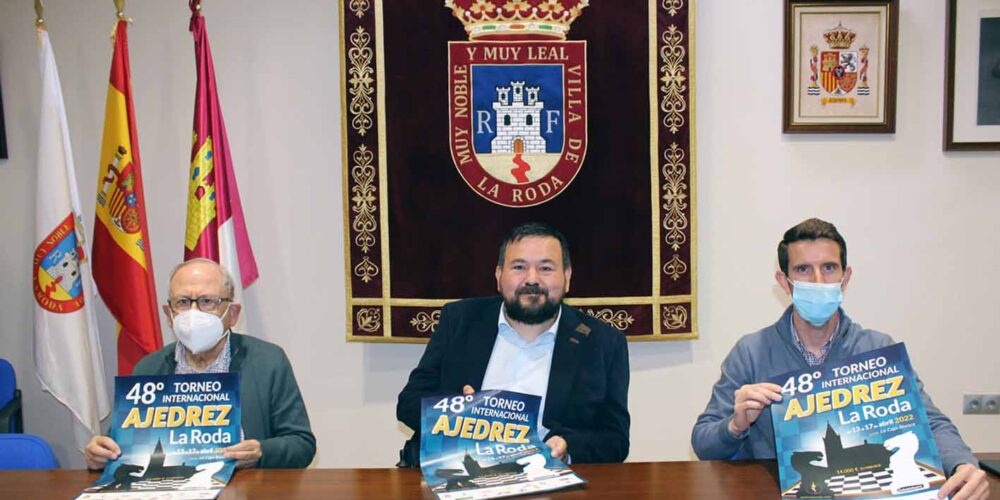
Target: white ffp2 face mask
{"x":198,"y":331}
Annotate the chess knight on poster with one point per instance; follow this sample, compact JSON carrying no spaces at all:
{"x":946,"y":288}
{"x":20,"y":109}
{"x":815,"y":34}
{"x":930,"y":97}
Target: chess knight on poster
{"x":518,"y":98}
{"x":855,"y":427}
{"x":172,"y":430}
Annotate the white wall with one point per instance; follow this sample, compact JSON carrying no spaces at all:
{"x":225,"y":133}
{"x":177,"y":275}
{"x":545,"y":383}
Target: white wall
{"x":921,"y":225}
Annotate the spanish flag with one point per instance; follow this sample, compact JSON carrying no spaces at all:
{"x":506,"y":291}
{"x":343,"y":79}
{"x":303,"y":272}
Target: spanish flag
{"x":216,"y":228}
{"x":121,"y":258}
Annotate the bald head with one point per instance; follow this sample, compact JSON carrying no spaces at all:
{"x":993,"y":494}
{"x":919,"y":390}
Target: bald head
{"x":203,"y":278}
{"x":203,"y":270}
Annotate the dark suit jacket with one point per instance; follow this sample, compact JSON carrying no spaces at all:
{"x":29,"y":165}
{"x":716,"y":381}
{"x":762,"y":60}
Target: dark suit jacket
{"x":272,"y":407}
{"x":587,"y":398}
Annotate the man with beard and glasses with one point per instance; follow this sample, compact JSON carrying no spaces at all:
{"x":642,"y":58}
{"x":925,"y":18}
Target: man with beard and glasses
{"x":526,"y":340}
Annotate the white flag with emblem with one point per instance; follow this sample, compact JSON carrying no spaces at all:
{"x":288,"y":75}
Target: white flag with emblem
{"x":67,"y":348}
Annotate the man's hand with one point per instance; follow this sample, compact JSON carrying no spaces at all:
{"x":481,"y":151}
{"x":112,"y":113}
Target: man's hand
{"x":559,"y":447}
{"x":246,"y":453}
{"x":99,"y":450}
{"x":968,"y":483}
{"x":750,"y":400}
{"x":468,"y":391}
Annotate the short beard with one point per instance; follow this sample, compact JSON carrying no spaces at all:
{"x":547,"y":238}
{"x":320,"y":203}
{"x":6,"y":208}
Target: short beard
{"x":531,"y":315}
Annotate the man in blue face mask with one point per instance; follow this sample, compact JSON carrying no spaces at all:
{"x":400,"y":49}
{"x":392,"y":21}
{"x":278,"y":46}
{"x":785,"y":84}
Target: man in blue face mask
{"x":736,"y":424}
{"x":201,"y":312}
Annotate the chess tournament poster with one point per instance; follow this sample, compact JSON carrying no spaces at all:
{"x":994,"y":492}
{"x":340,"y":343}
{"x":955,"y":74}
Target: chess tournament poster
{"x":171,"y":430}
{"x":487,"y":446}
{"x":855,"y":427}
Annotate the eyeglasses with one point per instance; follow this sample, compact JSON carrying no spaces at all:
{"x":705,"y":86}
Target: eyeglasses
{"x":205,"y":303}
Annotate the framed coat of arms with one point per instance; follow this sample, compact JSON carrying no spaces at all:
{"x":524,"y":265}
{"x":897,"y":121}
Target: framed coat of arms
{"x":465,"y":118}
{"x":840,"y":66}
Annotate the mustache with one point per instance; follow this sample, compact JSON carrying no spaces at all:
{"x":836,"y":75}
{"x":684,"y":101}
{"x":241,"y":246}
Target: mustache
{"x":532,"y":290}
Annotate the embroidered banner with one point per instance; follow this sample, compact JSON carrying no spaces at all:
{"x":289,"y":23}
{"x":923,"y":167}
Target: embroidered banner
{"x":465,"y":118}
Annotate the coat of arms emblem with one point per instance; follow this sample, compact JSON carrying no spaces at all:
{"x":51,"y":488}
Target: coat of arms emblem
{"x":117,"y":194}
{"x":56,"y":279}
{"x":841,"y":69}
{"x":517,"y":98}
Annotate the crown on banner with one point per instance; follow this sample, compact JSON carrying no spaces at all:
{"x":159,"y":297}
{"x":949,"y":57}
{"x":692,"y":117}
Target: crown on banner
{"x":514,"y":18}
{"x":839,"y":37}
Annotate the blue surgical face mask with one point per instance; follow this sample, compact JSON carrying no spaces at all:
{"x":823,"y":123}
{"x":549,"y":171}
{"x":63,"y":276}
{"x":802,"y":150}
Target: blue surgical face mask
{"x":816,"y":302}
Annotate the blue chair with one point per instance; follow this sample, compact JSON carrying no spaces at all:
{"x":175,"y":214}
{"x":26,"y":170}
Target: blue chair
{"x":25,"y":451}
{"x":11,"y":417}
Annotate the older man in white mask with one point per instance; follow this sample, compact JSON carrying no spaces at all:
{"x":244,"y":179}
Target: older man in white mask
{"x":201,"y":312}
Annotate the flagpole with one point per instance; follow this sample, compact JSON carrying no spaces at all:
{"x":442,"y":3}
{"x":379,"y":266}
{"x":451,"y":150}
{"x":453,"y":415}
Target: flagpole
{"x":39,"y":18}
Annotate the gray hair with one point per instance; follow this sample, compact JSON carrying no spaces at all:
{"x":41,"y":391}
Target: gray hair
{"x":227,"y":279}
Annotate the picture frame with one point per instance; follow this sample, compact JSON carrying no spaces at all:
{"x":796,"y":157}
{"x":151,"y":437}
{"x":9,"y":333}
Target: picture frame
{"x":840,"y":66}
{"x":972,"y":103}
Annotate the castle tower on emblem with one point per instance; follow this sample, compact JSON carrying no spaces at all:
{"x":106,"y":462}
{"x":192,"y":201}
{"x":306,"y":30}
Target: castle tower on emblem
{"x":517,"y":99}
{"x":65,"y":270}
{"x":518,"y":122}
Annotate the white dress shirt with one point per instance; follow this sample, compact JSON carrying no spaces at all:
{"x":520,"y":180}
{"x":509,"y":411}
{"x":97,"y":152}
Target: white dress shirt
{"x":522,"y":366}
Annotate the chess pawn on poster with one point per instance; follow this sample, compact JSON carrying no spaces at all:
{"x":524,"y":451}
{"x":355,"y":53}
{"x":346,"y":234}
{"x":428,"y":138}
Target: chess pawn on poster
{"x":906,"y":475}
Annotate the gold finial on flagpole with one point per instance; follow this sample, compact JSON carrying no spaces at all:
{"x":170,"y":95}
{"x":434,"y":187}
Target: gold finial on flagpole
{"x":39,"y":19}
{"x":120,"y":12}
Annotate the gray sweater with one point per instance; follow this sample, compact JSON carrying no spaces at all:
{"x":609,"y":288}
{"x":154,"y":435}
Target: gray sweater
{"x":272,"y":408}
{"x":770,"y":352}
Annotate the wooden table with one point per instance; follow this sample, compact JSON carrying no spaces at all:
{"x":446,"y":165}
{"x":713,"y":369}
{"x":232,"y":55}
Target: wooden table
{"x":631,"y":481}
